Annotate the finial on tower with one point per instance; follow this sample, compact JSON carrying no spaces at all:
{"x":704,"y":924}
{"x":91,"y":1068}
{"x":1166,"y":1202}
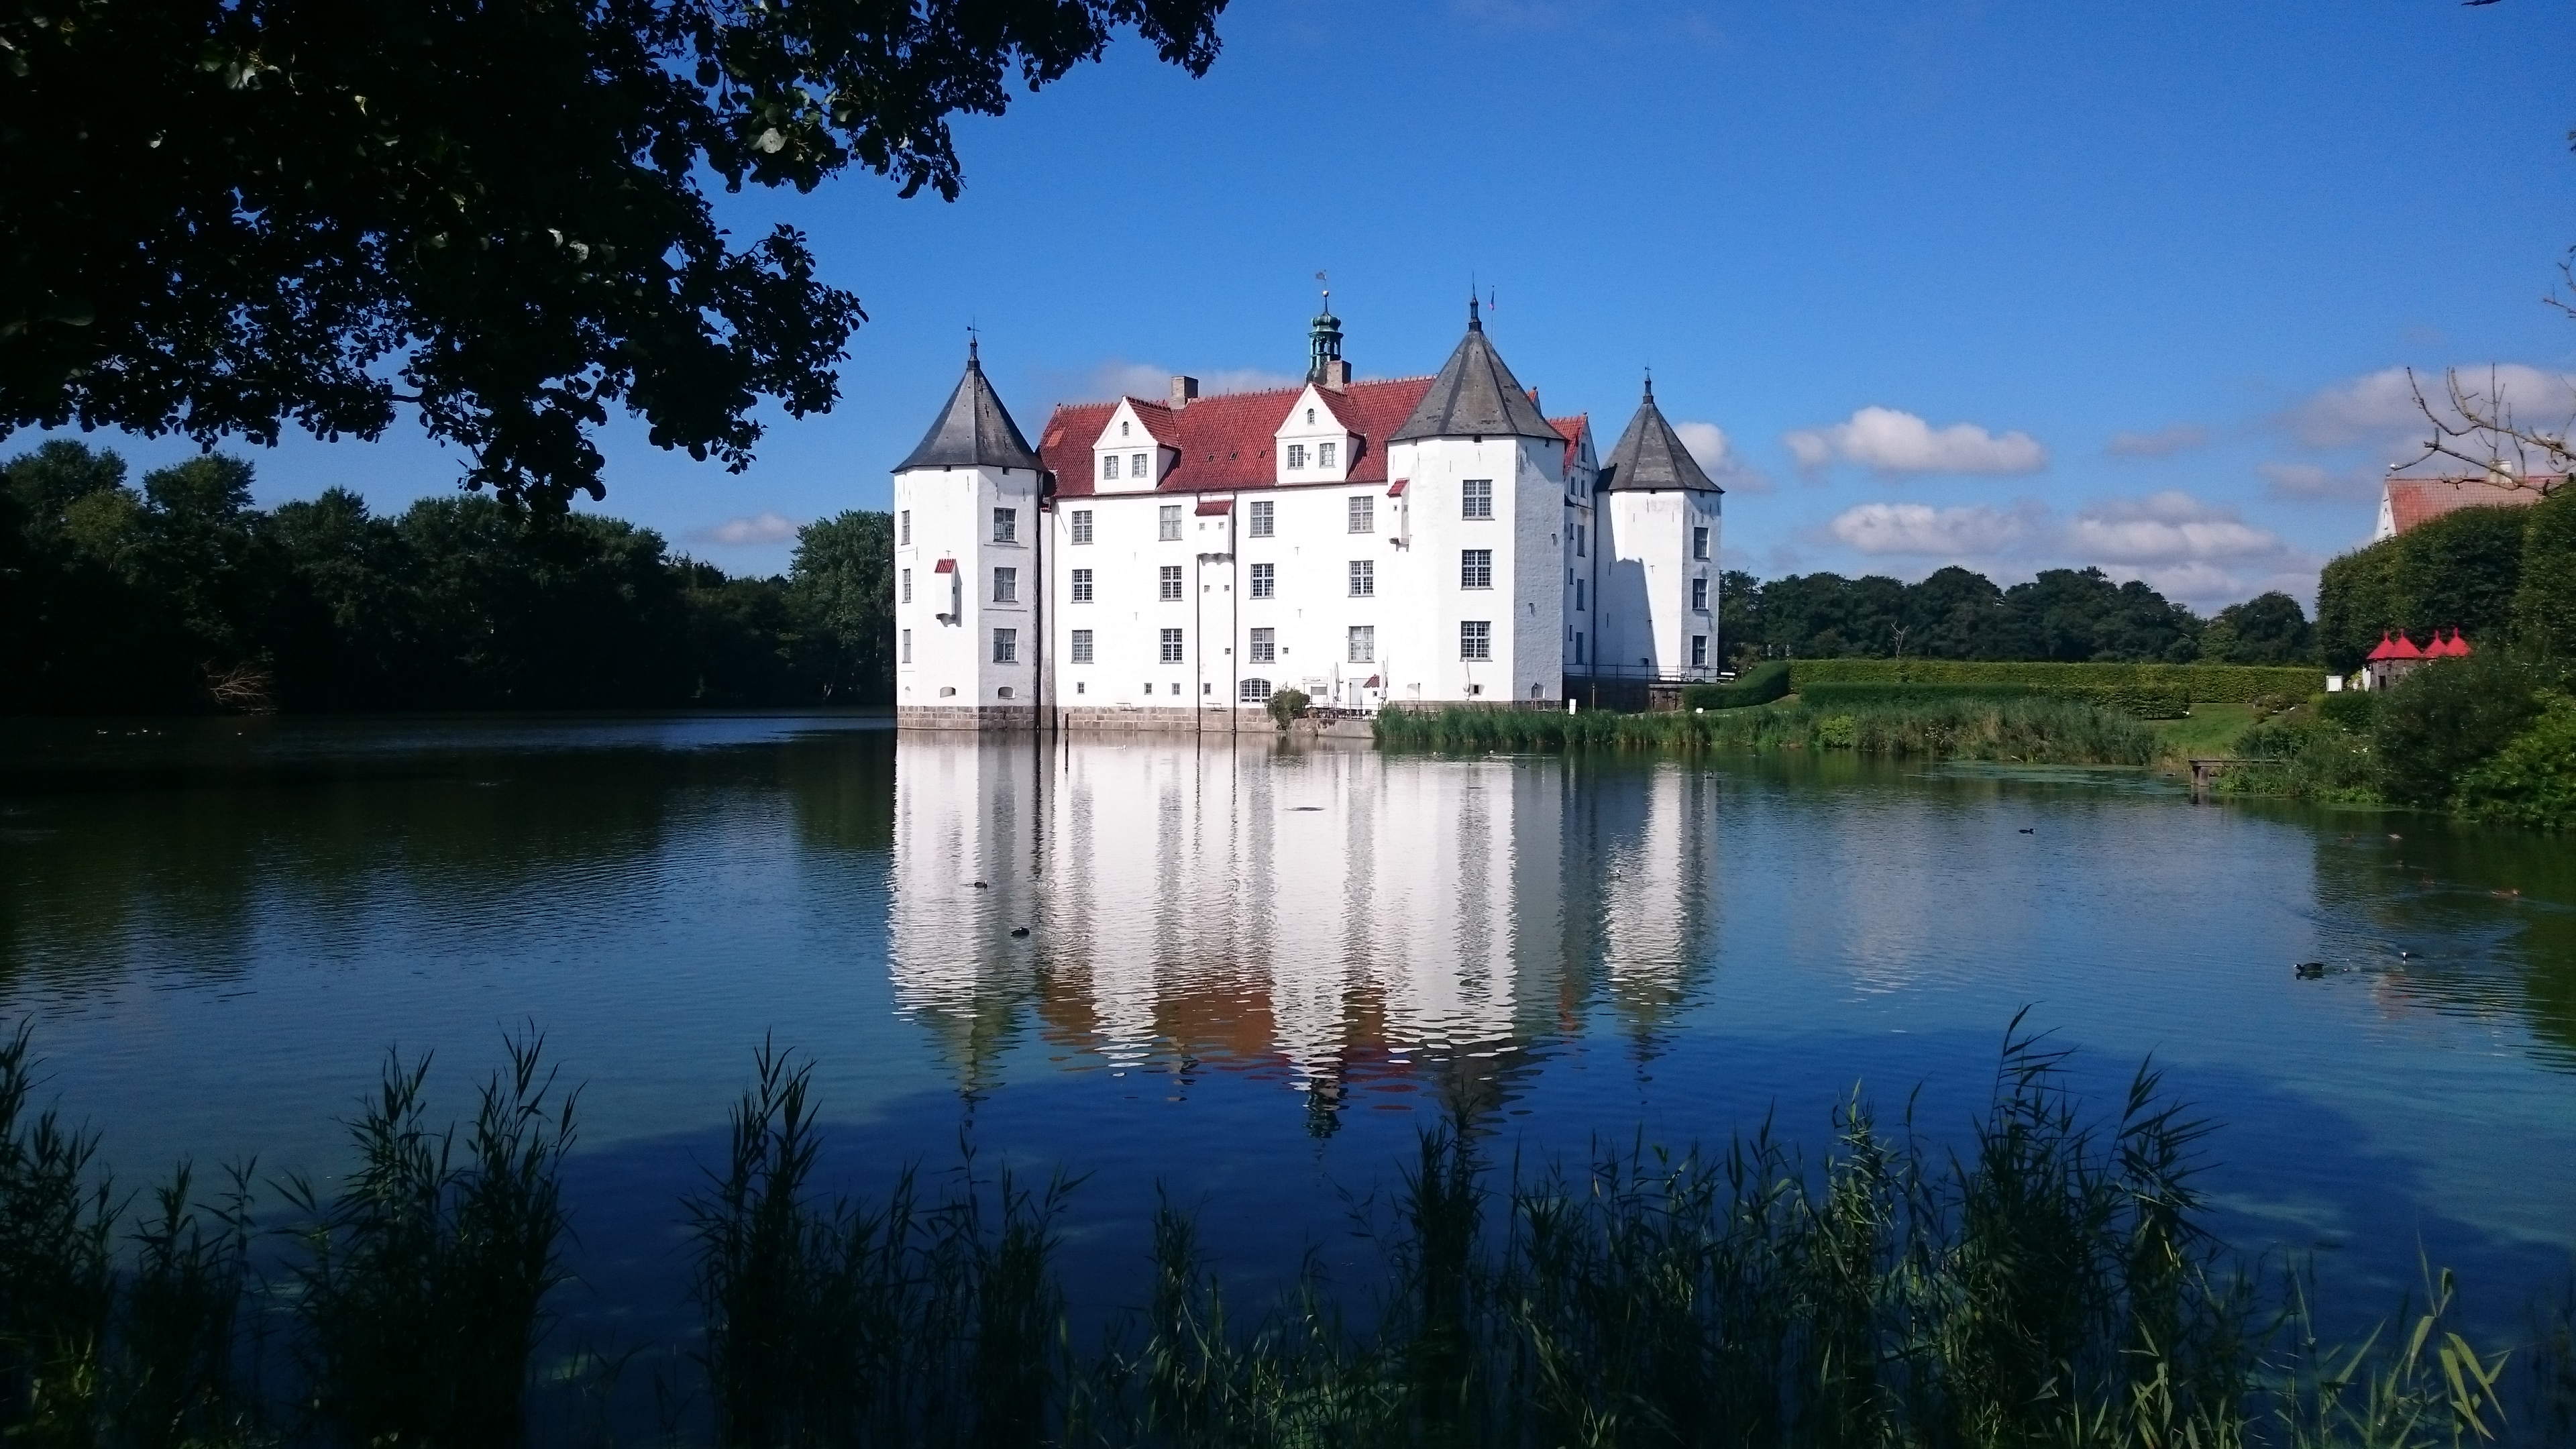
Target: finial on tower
{"x":1650,"y":384}
{"x":970,"y":346}
{"x":1474,"y":324}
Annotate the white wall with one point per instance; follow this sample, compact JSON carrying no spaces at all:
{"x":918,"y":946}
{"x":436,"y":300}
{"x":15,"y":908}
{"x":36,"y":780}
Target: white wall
{"x":1646,"y":568}
{"x":951,"y":515}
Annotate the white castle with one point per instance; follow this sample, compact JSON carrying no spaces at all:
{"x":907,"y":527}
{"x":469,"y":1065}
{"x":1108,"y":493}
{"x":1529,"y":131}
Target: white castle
{"x":1170,"y":563}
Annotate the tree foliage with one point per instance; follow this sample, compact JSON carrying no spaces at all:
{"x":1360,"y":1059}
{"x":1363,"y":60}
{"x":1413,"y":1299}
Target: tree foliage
{"x":2266,"y":629}
{"x":2465,"y":570}
{"x":2067,"y":615}
{"x":183,"y":596}
{"x":231,"y":217}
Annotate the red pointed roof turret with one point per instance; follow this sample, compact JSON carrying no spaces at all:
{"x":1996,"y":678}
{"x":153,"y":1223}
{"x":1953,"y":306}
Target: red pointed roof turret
{"x":2384,"y":649}
{"x":2404,"y":648}
{"x":2460,"y":645}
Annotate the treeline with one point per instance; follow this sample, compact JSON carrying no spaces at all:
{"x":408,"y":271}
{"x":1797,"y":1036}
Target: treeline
{"x":2068,"y":615}
{"x":2497,"y":574}
{"x":181,"y":596}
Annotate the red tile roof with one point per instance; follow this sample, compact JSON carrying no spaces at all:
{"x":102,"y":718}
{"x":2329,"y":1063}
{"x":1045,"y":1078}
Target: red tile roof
{"x":1225,"y":442}
{"x":1572,"y":429}
{"x":2415,"y":500}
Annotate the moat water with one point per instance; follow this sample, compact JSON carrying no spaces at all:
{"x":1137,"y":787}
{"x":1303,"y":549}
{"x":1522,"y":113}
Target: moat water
{"x":1249,"y":974}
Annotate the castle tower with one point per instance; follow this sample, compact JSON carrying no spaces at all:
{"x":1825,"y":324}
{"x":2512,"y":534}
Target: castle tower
{"x":969,"y":643}
{"x":1656,"y":567}
{"x":1479,"y":477}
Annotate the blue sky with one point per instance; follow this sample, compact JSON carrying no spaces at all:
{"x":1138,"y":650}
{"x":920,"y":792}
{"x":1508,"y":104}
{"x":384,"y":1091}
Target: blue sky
{"x":2005,"y":284}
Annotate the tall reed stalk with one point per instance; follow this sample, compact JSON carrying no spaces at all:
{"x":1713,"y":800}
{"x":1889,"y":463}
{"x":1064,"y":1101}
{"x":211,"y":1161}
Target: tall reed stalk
{"x":2036,"y":730}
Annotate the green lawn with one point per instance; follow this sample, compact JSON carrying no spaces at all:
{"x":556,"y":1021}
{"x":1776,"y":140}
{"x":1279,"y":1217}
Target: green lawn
{"x":2211,"y":730}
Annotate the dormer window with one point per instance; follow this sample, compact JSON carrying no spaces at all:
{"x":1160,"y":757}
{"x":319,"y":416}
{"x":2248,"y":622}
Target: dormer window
{"x":1310,"y":417}
{"x":1122,"y":430}
{"x":1324,"y":454}
{"x":1136,"y":467}
{"x":1108,"y":466}
{"x":1296,"y":455}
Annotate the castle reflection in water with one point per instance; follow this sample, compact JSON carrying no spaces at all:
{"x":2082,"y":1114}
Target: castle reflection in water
{"x":1332,"y":916}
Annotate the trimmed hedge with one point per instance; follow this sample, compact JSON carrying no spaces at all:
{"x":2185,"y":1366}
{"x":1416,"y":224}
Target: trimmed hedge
{"x":1760,"y":685}
{"x":2146,"y":685}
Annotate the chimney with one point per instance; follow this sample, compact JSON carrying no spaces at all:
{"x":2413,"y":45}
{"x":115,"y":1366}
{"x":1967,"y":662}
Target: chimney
{"x":1183,"y":389}
{"x":1337,"y":375}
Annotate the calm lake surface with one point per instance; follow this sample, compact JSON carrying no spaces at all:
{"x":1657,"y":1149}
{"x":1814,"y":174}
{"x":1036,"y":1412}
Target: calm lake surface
{"x":1250,"y":974}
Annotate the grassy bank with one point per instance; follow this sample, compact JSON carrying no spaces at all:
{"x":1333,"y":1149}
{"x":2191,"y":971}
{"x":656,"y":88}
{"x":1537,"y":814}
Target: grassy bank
{"x":2034,"y":729}
{"x":2044,"y":1278}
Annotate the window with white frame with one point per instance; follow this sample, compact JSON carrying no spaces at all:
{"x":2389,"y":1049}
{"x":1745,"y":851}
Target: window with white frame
{"x":1253,"y":691}
{"x":1171,"y":576}
{"x":1475,"y":568}
{"x":907,"y":586}
{"x":907,"y":646}
{"x":1476,"y":498}
{"x":1363,"y":578}
{"x":1172,"y":647}
{"x":1082,"y":586}
{"x":1082,"y":525}
{"x":1006,"y":586}
{"x":1006,"y":525}
{"x":903,"y":527}
{"x":1108,"y":466}
{"x":1170,"y":520}
{"x":1699,"y":543}
{"x":1363,"y":644}
{"x":1122,"y":429}
{"x":1325,"y":453}
{"x":1699,"y":595}
{"x":1138,"y":467}
{"x":1475,"y":639}
{"x":1262,"y":517}
{"x":1296,"y":456}
{"x":1082,"y":646}
{"x":1699,"y":651}
{"x":1364,"y":514}
{"x":1006,"y":646}
{"x":1265,"y":645}
{"x":1265,"y":580}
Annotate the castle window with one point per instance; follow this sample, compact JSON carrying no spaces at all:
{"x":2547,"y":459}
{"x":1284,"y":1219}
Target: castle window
{"x":1171,"y":521}
{"x":1363,"y":644}
{"x":1699,"y":543}
{"x":1475,"y":639}
{"x":907,"y":646}
{"x":1082,"y":646}
{"x":1476,"y":498}
{"x":1310,"y":417}
{"x":1296,"y":455}
{"x":903,"y":526}
{"x":1122,"y":430}
{"x":1108,"y":466}
{"x":1138,"y":468}
{"x":1171,"y":582}
{"x":1253,"y":691}
{"x":1578,"y":596}
{"x":1476,"y":568}
{"x":1363,"y":578}
{"x":1579,"y":540}
{"x":1324,"y":454}
{"x":1261,"y":518}
{"x":1006,"y":646}
{"x":1082,"y":525}
{"x":1578,"y":646}
{"x":1265,"y":648}
{"x":907,"y":586}
{"x":1082,"y":586}
{"x":1006,"y":586}
{"x":1364,"y":514}
{"x":1006,"y":525}
{"x":1699,"y":651}
{"x":1172,"y":648}
{"x":1265,"y":580}
{"x":1699,"y":595}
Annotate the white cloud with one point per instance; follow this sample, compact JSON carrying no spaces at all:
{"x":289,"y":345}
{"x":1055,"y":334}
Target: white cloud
{"x":2310,"y":483}
{"x":2380,"y":407}
{"x":2165,"y":528}
{"x":1890,"y":441}
{"x":1977,"y":531}
{"x":1716,"y":452}
{"x":759,"y":528}
{"x":2162,"y":443}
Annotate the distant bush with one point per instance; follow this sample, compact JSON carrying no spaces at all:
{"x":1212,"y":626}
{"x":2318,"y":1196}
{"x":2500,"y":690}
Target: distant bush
{"x":2441,"y":721}
{"x":2532,"y":780}
{"x":1845,"y":695}
{"x":1287,"y":704}
{"x":2145,"y":689}
{"x":1759,"y":685}
{"x":2351,"y":711}
{"x":2034,"y":730}
{"x":2304,"y":758}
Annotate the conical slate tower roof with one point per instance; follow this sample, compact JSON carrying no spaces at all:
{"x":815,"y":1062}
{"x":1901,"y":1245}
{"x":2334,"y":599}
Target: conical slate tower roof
{"x":974,"y":429}
{"x":1650,"y":455}
{"x":1475,"y":396}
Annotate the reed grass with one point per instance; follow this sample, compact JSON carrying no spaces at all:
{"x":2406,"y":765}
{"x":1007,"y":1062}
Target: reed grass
{"x":2044,"y":1280}
{"x":2036,"y":730}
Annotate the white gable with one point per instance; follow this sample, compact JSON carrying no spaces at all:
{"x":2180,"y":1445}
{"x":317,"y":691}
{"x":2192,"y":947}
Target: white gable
{"x":1313,"y":445}
{"x":1125,"y":458}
